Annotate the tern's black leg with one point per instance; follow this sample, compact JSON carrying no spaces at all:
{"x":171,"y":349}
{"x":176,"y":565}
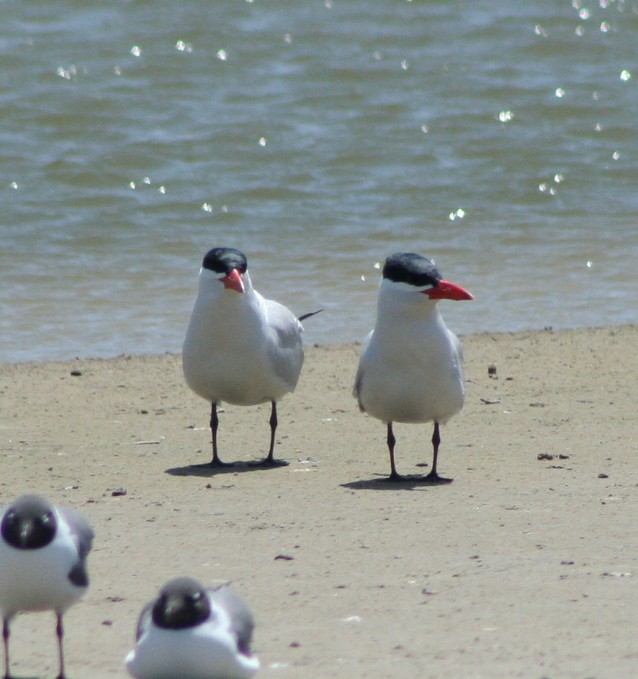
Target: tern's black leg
{"x":394,"y":476}
{"x":433,"y":477}
{"x":59,"y":630}
{"x":214,"y":426}
{"x":269,"y":460}
{"x":273,"y":428}
{"x":5,"y":640}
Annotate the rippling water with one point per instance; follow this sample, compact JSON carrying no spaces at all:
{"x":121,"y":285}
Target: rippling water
{"x":498,"y":138}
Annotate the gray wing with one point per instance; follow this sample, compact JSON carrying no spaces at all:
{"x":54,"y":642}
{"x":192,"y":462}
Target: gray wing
{"x":144,"y":621}
{"x":80,"y":529}
{"x":83,"y":535}
{"x":459,"y":353}
{"x":356,"y":390}
{"x":358,"y":380}
{"x":241,"y":619}
{"x":286,"y":353}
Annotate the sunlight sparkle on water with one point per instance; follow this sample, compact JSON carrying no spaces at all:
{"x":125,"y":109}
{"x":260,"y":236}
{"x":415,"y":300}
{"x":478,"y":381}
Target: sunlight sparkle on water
{"x":67,"y":73}
{"x":182,"y":46}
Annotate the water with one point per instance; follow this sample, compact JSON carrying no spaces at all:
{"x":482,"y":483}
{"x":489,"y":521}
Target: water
{"x":497,"y":138}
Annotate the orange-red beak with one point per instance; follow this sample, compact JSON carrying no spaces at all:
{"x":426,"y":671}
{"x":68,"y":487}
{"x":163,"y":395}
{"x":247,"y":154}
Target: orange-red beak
{"x":447,"y":290}
{"x":233,"y":281}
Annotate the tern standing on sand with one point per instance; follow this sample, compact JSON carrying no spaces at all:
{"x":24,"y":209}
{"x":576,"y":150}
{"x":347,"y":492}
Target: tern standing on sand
{"x":411,"y":365}
{"x":239,"y":347}
{"x":43,"y":552}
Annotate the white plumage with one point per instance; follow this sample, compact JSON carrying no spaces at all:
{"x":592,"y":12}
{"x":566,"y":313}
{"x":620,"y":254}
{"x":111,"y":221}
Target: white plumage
{"x":240,"y":347}
{"x":43,"y":552}
{"x":192,"y":632}
{"x":411,"y":364}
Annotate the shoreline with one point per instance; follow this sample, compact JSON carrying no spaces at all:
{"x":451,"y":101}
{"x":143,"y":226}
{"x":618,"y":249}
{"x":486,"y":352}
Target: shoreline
{"x":318,"y":345}
{"x":525,"y":566}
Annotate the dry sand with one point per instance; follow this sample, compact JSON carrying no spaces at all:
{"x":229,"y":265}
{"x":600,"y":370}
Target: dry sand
{"x":523,"y":567}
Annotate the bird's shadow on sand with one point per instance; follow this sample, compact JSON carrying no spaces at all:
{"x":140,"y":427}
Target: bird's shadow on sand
{"x":408,"y":482}
{"x":207,"y":470}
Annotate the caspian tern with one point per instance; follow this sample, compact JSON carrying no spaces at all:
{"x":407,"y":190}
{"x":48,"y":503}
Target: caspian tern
{"x":411,"y":365}
{"x":239,"y":347}
{"x":192,"y":632}
{"x":43,"y":551}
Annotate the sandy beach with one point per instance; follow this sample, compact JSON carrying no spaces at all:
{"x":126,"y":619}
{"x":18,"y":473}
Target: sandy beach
{"x":524,"y":566}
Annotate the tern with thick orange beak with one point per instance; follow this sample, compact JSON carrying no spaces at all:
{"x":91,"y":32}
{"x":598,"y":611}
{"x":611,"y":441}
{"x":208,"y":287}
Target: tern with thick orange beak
{"x":411,"y":365}
{"x":240,"y":347}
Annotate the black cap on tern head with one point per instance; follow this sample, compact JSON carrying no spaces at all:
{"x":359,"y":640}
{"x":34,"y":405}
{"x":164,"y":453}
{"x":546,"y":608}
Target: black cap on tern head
{"x":224,"y":260}
{"x":182,"y":603}
{"x":29,"y":523}
{"x":408,"y":267}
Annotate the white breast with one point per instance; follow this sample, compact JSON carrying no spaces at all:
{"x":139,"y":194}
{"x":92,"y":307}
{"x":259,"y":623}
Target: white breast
{"x":207,"y":651}
{"x":411,"y":369}
{"x":241,"y":348}
{"x":37,"y":579}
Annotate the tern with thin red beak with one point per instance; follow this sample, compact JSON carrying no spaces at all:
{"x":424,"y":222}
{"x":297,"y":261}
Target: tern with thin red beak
{"x":240,"y":347}
{"x":411,"y":365}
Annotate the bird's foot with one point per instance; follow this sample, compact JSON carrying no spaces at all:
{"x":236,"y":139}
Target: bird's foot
{"x":396,"y":478}
{"x":218,"y":464}
{"x":434,"y":479}
{"x":269,"y":463}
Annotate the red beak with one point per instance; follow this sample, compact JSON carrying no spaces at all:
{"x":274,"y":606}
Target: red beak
{"x":447,"y":290}
{"x":233,"y":281}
